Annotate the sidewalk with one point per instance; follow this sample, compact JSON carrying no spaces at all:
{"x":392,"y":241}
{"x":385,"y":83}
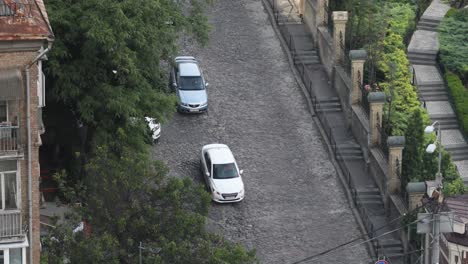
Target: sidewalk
{"x":433,"y":92}
{"x":347,"y":152}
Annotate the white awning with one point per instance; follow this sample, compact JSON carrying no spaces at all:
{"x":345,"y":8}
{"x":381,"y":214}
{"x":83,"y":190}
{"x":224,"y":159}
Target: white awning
{"x":17,"y":244}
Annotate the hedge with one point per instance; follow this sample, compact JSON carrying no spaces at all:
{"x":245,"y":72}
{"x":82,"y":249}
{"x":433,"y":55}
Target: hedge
{"x":460,"y":98}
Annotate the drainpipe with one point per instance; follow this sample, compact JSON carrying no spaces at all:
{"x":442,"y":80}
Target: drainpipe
{"x":28,"y":121}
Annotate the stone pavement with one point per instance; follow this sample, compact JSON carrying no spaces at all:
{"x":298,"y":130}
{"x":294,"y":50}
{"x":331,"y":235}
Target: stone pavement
{"x":365,"y":192}
{"x":422,"y":54}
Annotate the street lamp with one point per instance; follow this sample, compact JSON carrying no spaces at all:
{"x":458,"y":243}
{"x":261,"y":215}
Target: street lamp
{"x":432,"y":147}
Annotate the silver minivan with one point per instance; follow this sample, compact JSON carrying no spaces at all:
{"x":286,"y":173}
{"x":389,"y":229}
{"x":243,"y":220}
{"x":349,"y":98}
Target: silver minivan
{"x":189,"y":84}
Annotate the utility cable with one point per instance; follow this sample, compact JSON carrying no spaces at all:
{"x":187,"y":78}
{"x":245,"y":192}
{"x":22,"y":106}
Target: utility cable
{"x":354,"y":240}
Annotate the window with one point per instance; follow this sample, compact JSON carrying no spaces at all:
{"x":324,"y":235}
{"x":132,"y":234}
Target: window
{"x":225,"y":171}
{"x":3,"y":112}
{"x":8,"y":185}
{"x":191,"y":83}
{"x":208,"y":162}
{"x":13,"y":255}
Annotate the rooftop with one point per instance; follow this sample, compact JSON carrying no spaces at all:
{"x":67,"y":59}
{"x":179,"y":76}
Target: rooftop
{"x":24,"y":20}
{"x":459,"y":206}
{"x":220,"y":154}
{"x":189,"y":69}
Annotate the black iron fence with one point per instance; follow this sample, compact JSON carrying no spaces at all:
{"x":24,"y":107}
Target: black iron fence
{"x":328,"y":19}
{"x":383,"y":136}
{"x":363,"y":101}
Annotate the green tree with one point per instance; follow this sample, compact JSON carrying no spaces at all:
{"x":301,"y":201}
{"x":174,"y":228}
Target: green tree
{"x":131,"y":200}
{"x":414,"y":149}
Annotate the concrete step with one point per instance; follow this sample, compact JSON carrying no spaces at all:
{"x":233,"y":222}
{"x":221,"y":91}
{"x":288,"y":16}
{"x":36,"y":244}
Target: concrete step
{"x":446,"y":121}
{"x":421,"y":55}
{"x":429,"y":20}
{"x":431,"y":87}
{"x":349,"y":152}
{"x":429,"y":24}
{"x":306,"y":57}
{"x":427,"y":28}
{"x":390,"y":248}
{"x":331,"y":104}
{"x":422,"y":62}
{"x":457,"y":151}
{"x":434,"y":97}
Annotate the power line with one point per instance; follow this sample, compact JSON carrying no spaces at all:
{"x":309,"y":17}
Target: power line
{"x":360,"y":238}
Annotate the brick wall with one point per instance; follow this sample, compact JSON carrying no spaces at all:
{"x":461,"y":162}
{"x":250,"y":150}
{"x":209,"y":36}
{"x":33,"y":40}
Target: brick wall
{"x":20,"y":60}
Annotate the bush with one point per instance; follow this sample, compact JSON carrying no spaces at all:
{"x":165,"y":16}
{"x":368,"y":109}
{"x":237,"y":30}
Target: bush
{"x":453,"y":36}
{"x":460,"y":98}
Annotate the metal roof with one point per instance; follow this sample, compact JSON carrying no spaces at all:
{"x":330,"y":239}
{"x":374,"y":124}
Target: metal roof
{"x":459,"y":206}
{"x":188,"y":69}
{"x":24,"y":20}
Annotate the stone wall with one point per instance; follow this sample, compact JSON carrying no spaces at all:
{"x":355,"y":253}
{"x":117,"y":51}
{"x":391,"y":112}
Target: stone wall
{"x":310,"y":14}
{"x":360,"y":129}
{"x":325,"y":46}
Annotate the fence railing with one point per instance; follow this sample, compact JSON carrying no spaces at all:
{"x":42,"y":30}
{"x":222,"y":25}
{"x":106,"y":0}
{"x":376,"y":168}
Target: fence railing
{"x":10,"y":139}
{"x":15,"y":9}
{"x":363,"y":101}
{"x":10,"y":223}
{"x":383,"y":137}
{"x":328,"y":19}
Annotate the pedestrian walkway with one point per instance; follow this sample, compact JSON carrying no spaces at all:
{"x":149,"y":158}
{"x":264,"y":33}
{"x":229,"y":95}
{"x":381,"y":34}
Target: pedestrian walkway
{"x":325,"y":100}
{"x":422,"y":54}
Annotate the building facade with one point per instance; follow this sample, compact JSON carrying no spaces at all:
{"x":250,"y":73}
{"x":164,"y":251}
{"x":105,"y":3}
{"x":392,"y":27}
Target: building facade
{"x":454,"y":246}
{"x":25,"y":38}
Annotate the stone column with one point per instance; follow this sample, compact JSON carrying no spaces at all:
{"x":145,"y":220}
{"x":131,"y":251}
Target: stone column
{"x":339,"y":30}
{"x":358,"y":58}
{"x":416,"y":191}
{"x":376,"y":102}
{"x":395,"y":154}
{"x":322,"y":17}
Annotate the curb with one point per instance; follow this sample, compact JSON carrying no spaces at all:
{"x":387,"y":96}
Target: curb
{"x":325,"y":141}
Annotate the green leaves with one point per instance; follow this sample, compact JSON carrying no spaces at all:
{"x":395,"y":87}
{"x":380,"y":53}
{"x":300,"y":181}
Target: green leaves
{"x":453,"y":36}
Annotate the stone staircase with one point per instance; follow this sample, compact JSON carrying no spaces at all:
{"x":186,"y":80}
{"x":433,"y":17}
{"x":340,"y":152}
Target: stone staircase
{"x":427,"y":24}
{"x":349,"y":152}
{"x":446,"y":121}
{"x":371,"y":198}
{"x":422,"y":57}
{"x":306,"y":56}
{"x":331,"y":104}
{"x":457,"y":151}
{"x":392,"y":249}
{"x":433,"y":92}
{"x":288,"y":19}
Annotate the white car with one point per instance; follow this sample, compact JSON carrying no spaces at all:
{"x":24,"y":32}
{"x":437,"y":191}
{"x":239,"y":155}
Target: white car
{"x":155,"y":128}
{"x":221,"y":174}
{"x":153,"y":125}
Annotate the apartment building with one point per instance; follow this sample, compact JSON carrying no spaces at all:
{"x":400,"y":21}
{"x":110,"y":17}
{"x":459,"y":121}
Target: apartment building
{"x":25,"y":39}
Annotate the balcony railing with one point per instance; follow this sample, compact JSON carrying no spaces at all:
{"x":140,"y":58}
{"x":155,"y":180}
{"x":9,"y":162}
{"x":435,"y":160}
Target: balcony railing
{"x":10,"y":223}
{"x":9,"y":139}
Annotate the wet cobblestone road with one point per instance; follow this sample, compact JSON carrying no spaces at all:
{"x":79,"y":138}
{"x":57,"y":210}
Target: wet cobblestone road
{"x":294,"y":205}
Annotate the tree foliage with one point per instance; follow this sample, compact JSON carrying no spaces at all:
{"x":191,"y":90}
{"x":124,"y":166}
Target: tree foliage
{"x":106,"y":70}
{"x":129,"y":200}
{"x":453,"y":39}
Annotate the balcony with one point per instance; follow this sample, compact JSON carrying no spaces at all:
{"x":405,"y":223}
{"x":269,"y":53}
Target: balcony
{"x":15,"y":8}
{"x":10,"y":224}
{"x":10,"y":140}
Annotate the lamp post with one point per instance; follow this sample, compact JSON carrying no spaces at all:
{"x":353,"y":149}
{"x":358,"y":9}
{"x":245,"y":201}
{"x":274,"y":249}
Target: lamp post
{"x":438,"y":180}
{"x":432,"y":147}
